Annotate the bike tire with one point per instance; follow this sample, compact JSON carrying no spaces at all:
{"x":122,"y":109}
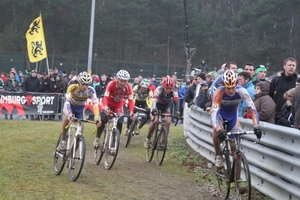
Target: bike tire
{"x":223,"y":175}
{"x":161,"y":145}
{"x":131,"y":132}
{"x":242,"y":178}
{"x":98,"y":152}
{"x":58,"y":159}
{"x":78,"y":158}
{"x":111,"y":152}
{"x":150,"y":151}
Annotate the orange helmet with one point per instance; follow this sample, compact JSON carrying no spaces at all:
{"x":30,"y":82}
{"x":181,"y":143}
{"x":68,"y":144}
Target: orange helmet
{"x":229,"y":79}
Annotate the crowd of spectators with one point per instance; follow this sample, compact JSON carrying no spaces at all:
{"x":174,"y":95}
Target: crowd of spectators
{"x":277,"y":100}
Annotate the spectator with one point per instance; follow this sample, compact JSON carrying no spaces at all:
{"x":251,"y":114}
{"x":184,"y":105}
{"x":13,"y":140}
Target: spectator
{"x":1,"y":85}
{"x":61,"y":84}
{"x":250,"y":68}
{"x":53,"y":83}
{"x":285,"y":117}
{"x":153,"y":81}
{"x":297,"y":82}
{"x":3,"y":76}
{"x":11,"y":83}
{"x":136,"y":81}
{"x":181,"y":94}
{"x":261,"y":72}
{"x":244,"y":79}
{"x":32,"y":83}
{"x":17,"y":77}
{"x":296,"y":108}
{"x":190,"y":93}
{"x":55,"y":72}
{"x":264,"y":104}
{"x":283,"y":83}
{"x":202,"y":97}
{"x":72,"y":78}
{"x":98,"y":88}
{"x":203,"y":66}
{"x":46,"y":82}
{"x":65,"y":76}
{"x":210,"y":77}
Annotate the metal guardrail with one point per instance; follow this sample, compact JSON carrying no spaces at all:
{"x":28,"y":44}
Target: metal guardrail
{"x":274,"y":162}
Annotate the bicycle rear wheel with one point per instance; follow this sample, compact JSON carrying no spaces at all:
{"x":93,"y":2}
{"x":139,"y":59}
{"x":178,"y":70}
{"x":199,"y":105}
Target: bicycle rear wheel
{"x":161,"y":147}
{"x":98,"y":152}
{"x":58,"y":159}
{"x":150,"y":151}
{"x":242,"y":178}
{"x":223,"y":176}
{"x":76,"y":160}
{"x":131,"y":131}
{"x":112,"y":149}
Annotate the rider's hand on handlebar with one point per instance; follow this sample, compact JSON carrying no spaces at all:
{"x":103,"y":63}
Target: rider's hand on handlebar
{"x":132,"y":115}
{"x":98,"y":123}
{"x":258,"y":132}
{"x":154,"y":111}
{"x":70,"y":116}
{"x":221,"y":135}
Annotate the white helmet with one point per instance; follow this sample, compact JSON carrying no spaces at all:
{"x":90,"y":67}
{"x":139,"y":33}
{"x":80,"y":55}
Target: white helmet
{"x":123,"y":75}
{"x":85,"y":78}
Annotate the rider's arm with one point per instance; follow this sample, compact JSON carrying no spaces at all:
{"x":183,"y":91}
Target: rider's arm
{"x":216,"y":104}
{"x":155,"y":98}
{"x":95,"y":102}
{"x":107,"y":93}
{"x":149,"y":99}
{"x":130,"y":99}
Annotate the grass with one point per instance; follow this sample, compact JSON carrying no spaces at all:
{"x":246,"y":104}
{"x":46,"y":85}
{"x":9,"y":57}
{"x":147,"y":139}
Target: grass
{"x":26,"y":164}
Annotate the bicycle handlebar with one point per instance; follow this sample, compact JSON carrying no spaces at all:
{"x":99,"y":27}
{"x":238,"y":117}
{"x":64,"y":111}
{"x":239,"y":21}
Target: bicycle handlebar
{"x":169,"y":115}
{"x":240,"y":133}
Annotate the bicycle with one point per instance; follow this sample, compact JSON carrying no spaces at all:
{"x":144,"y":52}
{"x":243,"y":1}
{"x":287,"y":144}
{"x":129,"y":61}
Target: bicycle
{"x":159,"y":142}
{"x":75,"y":152}
{"x":237,"y":172}
{"x":140,"y":113}
{"x":109,"y":141}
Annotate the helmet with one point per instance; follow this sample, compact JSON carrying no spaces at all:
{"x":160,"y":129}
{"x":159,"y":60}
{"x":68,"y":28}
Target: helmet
{"x":123,"y":75}
{"x":145,"y":83}
{"x":168,"y":82}
{"x":229,"y":79}
{"x":85,"y":78}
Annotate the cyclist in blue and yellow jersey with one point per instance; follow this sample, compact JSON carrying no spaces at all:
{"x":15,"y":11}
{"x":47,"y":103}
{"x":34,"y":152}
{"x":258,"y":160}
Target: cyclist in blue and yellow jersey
{"x":225,"y":102}
{"x":76,"y":96}
{"x":142,"y":95}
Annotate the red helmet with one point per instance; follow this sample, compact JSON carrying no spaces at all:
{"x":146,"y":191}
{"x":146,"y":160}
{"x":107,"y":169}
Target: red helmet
{"x":168,"y":82}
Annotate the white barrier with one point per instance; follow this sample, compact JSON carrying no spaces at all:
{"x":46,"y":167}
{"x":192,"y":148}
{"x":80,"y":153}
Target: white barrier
{"x":274,"y":162}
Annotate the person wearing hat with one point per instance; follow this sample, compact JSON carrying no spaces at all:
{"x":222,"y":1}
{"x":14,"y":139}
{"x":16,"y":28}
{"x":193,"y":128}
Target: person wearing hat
{"x":190,"y":93}
{"x":46,"y":82}
{"x":202,"y":97}
{"x":261,"y":72}
{"x":32,"y":83}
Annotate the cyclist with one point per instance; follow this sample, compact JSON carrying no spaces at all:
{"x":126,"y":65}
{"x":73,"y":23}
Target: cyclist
{"x":76,"y":96}
{"x":161,"y":101}
{"x":143,"y":99}
{"x":224,"y":107}
{"x":113,"y":99}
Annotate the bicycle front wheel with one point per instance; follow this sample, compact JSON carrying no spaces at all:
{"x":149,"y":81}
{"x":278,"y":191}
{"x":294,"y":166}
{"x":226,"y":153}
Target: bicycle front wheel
{"x":112,"y":149}
{"x":76,"y":159}
{"x":98,"y":152}
{"x":161,"y":146}
{"x":131,"y":132}
{"x":152,"y":147}
{"x":223,"y":175}
{"x":58,"y":158}
{"x":242,"y":177}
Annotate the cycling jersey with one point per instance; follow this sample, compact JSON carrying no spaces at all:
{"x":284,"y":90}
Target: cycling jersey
{"x":77,"y":98}
{"x":114,"y":96}
{"x":140,"y":95}
{"x":225,"y":107}
{"x":164,"y":99}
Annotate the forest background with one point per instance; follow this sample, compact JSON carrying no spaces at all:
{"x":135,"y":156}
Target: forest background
{"x":149,"y":36}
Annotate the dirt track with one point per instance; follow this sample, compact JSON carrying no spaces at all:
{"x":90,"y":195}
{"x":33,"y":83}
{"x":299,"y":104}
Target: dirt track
{"x":132,"y":177}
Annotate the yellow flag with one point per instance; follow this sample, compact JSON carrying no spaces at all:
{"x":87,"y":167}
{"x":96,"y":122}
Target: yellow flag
{"x":36,"y":45}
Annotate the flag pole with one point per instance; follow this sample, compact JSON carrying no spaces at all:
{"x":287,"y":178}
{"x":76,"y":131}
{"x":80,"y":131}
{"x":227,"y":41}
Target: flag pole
{"x":90,"y":56}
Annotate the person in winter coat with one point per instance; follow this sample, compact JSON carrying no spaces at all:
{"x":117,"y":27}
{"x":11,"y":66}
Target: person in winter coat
{"x":11,"y":83}
{"x":285,"y":118}
{"x":202,"y":97}
{"x":264,"y":104}
{"x":32,"y":83}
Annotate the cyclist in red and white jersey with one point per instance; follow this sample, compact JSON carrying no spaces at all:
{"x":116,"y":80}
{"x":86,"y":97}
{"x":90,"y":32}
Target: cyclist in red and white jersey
{"x":114,"y":99}
{"x":161,"y":101}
